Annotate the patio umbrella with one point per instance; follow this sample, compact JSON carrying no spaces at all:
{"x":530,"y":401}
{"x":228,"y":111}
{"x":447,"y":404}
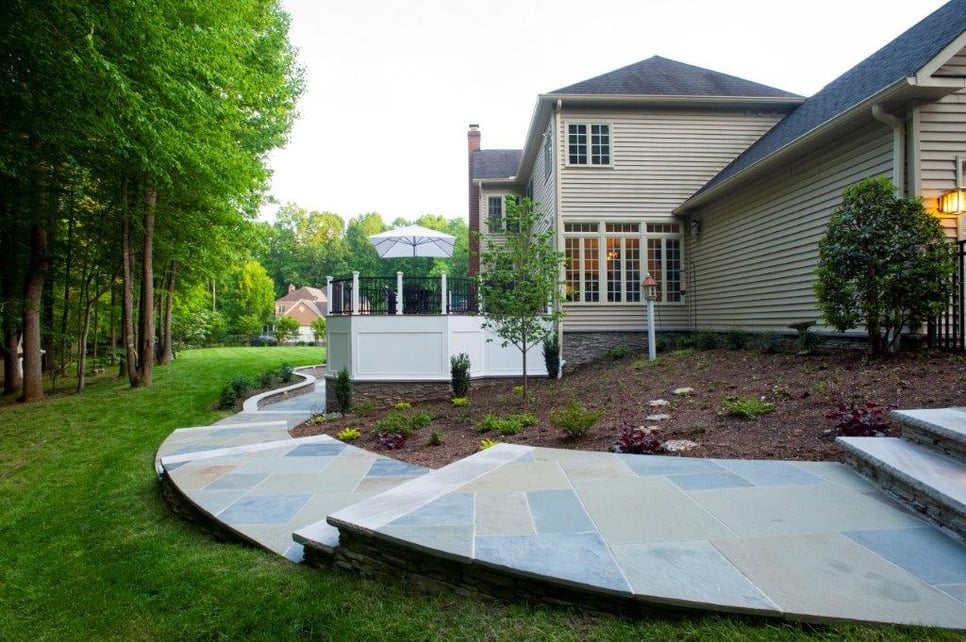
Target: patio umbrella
{"x":413,"y":240}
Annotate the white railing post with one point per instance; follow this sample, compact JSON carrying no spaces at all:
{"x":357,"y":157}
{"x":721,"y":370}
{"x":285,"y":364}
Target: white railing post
{"x":355,"y":293}
{"x":399,"y":293}
{"x":328,"y":295}
{"x":479,"y":295}
{"x":442,"y":294}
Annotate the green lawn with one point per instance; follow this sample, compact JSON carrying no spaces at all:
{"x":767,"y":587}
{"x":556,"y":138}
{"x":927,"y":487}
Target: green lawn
{"x":89,"y":550}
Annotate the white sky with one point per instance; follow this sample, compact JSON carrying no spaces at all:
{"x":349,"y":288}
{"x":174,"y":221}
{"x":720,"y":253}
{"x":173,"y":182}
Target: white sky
{"x":393,"y":85}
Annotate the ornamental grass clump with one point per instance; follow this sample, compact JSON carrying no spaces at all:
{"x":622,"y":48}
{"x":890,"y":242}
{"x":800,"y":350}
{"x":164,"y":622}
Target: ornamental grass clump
{"x":748,"y":407}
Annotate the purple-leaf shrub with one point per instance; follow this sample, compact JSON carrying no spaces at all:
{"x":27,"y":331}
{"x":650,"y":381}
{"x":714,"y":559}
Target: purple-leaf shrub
{"x":866,"y":420}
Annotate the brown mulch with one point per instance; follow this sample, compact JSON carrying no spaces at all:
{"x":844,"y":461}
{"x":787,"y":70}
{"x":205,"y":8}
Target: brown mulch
{"x":802,"y":388}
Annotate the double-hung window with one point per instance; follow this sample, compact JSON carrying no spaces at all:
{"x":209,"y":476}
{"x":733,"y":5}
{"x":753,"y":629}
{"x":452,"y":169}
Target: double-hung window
{"x":494,"y":214}
{"x":606,"y":262}
{"x":588,"y":144}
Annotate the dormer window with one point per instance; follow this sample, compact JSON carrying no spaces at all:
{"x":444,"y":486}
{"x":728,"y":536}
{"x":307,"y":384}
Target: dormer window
{"x":588,"y":144}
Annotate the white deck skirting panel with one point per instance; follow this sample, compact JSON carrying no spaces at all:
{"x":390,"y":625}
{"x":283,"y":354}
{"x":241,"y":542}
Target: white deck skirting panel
{"x":419,"y":347}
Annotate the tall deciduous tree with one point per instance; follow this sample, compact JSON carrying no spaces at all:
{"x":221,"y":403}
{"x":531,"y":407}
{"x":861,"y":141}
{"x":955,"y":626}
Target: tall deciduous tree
{"x":884,"y":263}
{"x":520,"y":284}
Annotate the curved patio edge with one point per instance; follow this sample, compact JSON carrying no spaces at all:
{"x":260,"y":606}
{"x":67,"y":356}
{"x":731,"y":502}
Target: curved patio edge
{"x":636,"y":535}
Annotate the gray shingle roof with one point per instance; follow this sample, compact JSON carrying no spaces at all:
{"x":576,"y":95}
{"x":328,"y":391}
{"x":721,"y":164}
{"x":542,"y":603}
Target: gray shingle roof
{"x":496,"y":163}
{"x":659,"y":76}
{"x":902,"y":57}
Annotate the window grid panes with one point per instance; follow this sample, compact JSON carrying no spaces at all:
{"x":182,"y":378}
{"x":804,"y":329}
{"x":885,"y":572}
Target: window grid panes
{"x":494,"y":207}
{"x":600,"y":144}
{"x":611,"y":256}
{"x":577,"y":144}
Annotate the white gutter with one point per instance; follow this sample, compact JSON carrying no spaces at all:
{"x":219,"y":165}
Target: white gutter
{"x":898,"y":145}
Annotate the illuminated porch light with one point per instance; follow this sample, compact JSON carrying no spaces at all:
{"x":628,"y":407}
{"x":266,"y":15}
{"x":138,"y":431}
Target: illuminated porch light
{"x":953,"y":202}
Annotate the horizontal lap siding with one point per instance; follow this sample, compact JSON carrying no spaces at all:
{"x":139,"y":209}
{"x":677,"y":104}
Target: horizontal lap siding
{"x":753,"y":264}
{"x":942,"y":136}
{"x":660,"y":157}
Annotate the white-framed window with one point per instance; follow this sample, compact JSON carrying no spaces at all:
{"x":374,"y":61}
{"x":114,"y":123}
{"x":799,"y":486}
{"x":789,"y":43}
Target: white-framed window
{"x":588,"y":144}
{"x":494,"y":214}
{"x":606,"y":262}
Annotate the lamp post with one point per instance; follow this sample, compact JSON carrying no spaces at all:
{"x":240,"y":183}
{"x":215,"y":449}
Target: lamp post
{"x":649,"y":285}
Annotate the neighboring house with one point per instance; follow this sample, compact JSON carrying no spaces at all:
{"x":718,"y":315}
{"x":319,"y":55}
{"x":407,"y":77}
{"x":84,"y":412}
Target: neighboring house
{"x":718,"y":186}
{"x":305,"y":304}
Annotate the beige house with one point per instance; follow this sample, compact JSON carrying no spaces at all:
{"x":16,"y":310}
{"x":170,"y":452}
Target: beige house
{"x":720,"y":187}
{"x":305,"y":304}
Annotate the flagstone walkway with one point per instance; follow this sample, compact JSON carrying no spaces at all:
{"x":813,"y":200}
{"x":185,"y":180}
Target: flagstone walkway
{"x":807,"y":541}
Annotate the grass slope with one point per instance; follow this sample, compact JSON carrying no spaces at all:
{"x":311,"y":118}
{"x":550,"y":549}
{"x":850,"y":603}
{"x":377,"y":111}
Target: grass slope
{"x":89,"y":550}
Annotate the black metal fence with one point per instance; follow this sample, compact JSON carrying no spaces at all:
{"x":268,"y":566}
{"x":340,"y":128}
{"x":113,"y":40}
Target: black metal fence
{"x":420,"y":295}
{"x":950,"y":328}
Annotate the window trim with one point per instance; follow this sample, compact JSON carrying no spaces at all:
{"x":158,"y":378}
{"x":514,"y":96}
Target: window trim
{"x":644,"y":238}
{"x":588,"y":136}
{"x":500,"y":220}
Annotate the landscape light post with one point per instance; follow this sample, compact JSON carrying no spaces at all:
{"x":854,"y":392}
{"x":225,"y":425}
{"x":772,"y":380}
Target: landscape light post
{"x":649,"y":285}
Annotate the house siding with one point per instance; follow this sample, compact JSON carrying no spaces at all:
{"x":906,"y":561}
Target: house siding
{"x":942,"y":136}
{"x":659,"y":158}
{"x":753,"y":264}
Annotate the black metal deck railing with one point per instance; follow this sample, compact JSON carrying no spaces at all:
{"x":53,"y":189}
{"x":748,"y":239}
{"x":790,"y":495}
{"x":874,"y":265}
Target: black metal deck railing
{"x":418,"y":295}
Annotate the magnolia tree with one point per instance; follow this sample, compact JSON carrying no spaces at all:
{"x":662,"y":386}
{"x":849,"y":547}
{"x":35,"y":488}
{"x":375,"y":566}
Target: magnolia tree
{"x":520,"y":284}
{"x":884,"y":263}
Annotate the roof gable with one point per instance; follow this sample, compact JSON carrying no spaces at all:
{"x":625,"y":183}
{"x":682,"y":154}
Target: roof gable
{"x":657,"y":76}
{"x":304,"y":293}
{"x":900,"y":59}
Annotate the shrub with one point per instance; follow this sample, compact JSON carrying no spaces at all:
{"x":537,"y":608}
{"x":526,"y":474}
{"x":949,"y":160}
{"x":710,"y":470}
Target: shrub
{"x":435,"y":438}
{"x":265,"y":379}
{"x":459,"y":370}
{"x":393,"y":422}
{"x":574,"y":420}
{"x":461,"y":402}
{"x":507,"y":426}
{"x":735,"y":339}
{"x":687,"y":343}
{"x":236,"y":389}
{"x":770,"y":343}
{"x":706,"y":340}
{"x":867,"y":420}
{"x":286,"y":372}
{"x":748,"y":407}
{"x":488,"y":443}
{"x":551,"y":355}
{"x":343,"y":391}
{"x":808,"y":342}
{"x":365,"y":408}
{"x":420,"y":420}
{"x":348,"y":434}
{"x":391,"y":441}
{"x":619,"y":352}
{"x":884,"y":264}
{"x":637,"y":441}
{"x":403,"y":405}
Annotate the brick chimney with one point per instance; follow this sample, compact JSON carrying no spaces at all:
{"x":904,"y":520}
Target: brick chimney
{"x":291,"y":288}
{"x":472,"y":145}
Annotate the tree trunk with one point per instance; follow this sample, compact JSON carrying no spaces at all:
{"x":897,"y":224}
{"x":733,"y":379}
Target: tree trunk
{"x":167,"y":349}
{"x":147,"y":292}
{"x":10,"y":308}
{"x":129,"y":366}
{"x":38,"y":263}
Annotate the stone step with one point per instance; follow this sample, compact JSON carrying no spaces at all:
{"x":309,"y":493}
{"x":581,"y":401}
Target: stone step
{"x":929,"y":482}
{"x":942,"y":429}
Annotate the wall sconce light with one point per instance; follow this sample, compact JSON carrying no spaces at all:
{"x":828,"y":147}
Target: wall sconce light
{"x":954,"y":201}
{"x":695,"y":228}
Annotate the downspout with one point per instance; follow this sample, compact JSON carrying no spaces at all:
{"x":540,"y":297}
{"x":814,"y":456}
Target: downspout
{"x":898,"y":146}
{"x":554,"y":142}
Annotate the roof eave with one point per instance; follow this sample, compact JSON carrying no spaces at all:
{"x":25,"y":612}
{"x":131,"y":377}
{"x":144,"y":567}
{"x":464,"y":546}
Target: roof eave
{"x":678,"y":100}
{"x":904,"y":87}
